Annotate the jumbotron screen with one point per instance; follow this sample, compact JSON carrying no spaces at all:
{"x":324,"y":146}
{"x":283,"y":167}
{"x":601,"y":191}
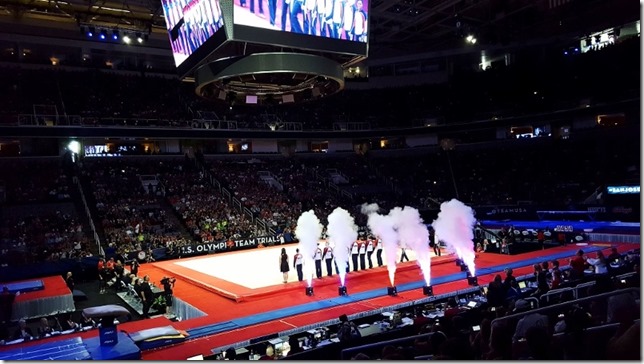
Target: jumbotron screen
{"x":191,"y":24}
{"x":339,"y":26}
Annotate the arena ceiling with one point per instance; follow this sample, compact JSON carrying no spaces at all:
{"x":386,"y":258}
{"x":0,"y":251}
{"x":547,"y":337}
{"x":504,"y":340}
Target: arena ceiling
{"x":397,"y":27}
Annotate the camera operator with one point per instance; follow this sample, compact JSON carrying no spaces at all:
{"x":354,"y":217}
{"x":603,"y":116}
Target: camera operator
{"x":168,"y":285}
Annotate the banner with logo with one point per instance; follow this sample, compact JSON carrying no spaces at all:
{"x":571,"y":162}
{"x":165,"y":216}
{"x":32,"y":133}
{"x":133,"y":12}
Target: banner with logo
{"x":230,"y":245}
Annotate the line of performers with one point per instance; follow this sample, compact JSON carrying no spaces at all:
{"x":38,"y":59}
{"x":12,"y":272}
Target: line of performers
{"x":361,"y":252}
{"x":340,"y":19}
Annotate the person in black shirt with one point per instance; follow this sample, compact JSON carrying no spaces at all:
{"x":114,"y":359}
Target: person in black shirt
{"x":70,"y":281}
{"x":23,"y":331}
{"x":134,"y":267}
{"x":168,"y":285}
{"x":147,"y":296}
{"x":6,"y":304}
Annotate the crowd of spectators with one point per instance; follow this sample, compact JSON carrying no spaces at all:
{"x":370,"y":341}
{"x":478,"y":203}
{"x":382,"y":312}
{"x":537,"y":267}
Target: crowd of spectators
{"x":130,"y":213}
{"x":207,"y":214}
{"x":34,"y":181}
{"x":42,"y":237}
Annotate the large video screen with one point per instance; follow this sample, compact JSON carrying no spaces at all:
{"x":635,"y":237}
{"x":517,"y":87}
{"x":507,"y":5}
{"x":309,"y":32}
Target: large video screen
{"x":190,"y":24}
{"x":344,"y":21}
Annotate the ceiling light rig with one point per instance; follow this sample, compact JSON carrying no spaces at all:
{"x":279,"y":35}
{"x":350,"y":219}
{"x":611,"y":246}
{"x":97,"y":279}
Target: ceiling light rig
{"x":114,"y":35}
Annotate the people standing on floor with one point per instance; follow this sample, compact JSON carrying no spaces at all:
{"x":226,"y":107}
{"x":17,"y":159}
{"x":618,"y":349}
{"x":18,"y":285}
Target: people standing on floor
{"x":403,"y":254}
{"x":260,"y":5}
{"x":296,"y":8}
{"x":317,"y":257}
{"x":134,"y":267}
{"x":297,"y":264}
{"x":6,"y":304}
{"x":272,"y":10}
{"x":370,"y":249}
{"x":435,"y":244}
{"x":354,"y":255}
{"x":286,"y":12}
{"x":379,"y":251}
{"x":147,"y":296}
{"x":168,"y":289}
{"x":328,"y":259}
{"x":69,"y":280}
{"x":362,"y":251}
{"x":284,"y":267}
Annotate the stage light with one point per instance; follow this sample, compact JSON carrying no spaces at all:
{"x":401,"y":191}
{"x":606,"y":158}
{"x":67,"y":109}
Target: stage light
{"x":342,"y":291}
{"x":138,"y":38}
{"x":469,"y":38}
{"x":127,"y":39}
{"x":464,"y":268}
{"x":115,"y":34}
{"x":428,"y":290}
{"x":102,"y":35}
{"x":74,"y":146}
{"x":309,"y":291}
{"x":472,"y":281}
{"x":392,"y":291}
{"x":473,"y":41}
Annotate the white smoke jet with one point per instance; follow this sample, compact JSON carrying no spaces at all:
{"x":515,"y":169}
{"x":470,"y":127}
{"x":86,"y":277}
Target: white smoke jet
{"x":308,"y":232}
{"x":368,"y":209}
{"x":413,"y":233}
{"x":384,"y":228}
{"x":454,"y":225}
{"x":342,"y":232}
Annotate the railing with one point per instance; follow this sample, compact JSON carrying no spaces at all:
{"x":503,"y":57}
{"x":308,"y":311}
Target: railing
{"x":615,"y":238}
{"x":97,"y":240}
{"x":560,"y":306}
{"x":249,"y":213}
{"x":347,"y":353}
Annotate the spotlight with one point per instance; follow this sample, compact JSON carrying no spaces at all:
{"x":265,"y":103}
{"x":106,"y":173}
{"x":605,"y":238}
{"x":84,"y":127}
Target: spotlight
{"x":139,"y":38}
{"x":472,"y":281}
{"x":473,"y":41}
{"x":342,"y":291}
{"x":309,"y":291}
{"x":127,"y":39}
{"x":392,"y":291}
{"x":469,"y":38}
{"x":102,"y":35}
{"x":115,"y":34}
{"x":428,"y":290}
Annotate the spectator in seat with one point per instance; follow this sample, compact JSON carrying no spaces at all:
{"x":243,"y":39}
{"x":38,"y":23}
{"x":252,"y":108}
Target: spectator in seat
{"x":614,"y":255}
{"x":542,"y":282}
{"x":44,"y":328}
{"x":577,"y":265}
{"x":538,"y":340}
{"x":514,"y":293}
{"x":600,"y":263}
{"x":528,"y":321}
{"x":23,"y":331}
{"x":269,"y":355}
{"x":509,"y":278}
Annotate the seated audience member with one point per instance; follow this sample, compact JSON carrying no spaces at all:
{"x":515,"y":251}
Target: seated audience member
{"x":270,"y":354}
{"x":528,"y":321}
{"x":614,"y":256}
{"x":538,"y":340}
{"x":514,"y":293}
{"x":231,"y":354}
{"x":23,"y":331}
{"x":69,"y":324}
{"x":294,"y":345}
{"x":44,"y":328}
{"x":87,"y":322}
{"x":347,"y":330}
{"x":600,"y":263}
